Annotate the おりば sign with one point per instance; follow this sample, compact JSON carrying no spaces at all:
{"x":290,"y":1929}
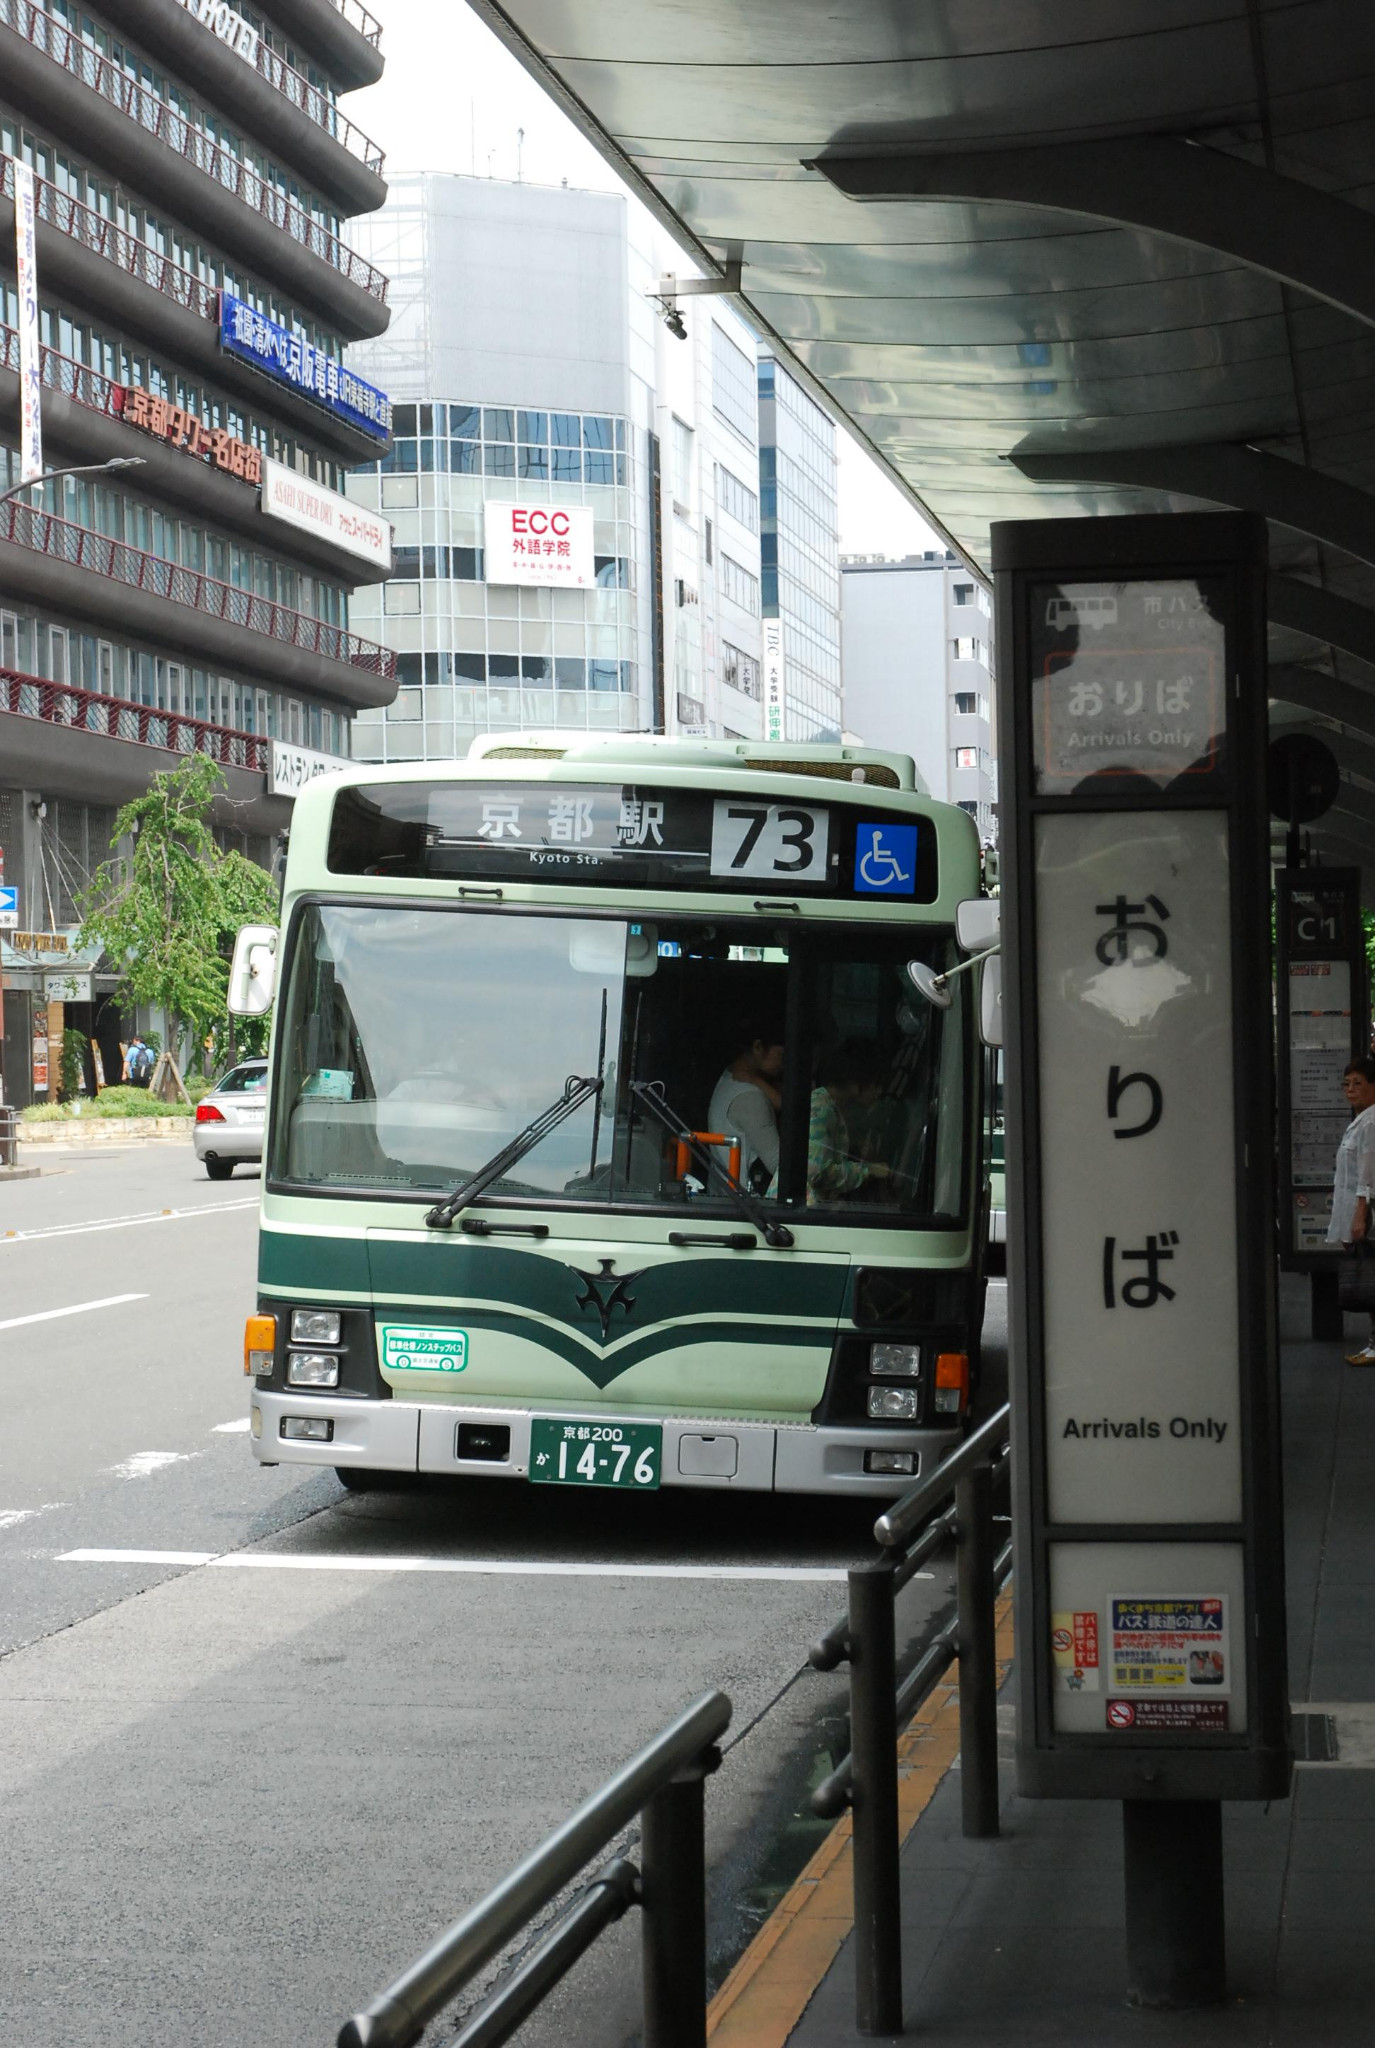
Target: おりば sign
{"x":548,"y":544}
{"x":1136,"y":959}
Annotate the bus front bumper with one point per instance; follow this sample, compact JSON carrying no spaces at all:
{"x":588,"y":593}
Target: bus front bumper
{"x":725,"y":1454}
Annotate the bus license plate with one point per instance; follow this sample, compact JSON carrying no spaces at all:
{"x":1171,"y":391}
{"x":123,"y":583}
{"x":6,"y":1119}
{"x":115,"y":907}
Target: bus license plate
{"x":595,"y":1453}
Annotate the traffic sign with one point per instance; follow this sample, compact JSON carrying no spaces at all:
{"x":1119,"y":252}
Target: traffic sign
{"x":9,"y":909}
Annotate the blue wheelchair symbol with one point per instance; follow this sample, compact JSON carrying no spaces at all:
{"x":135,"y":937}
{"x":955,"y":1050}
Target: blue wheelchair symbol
{"x":885,"y":860}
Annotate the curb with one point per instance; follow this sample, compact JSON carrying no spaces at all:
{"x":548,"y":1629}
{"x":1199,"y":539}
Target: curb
{"x":83,"y":1131}
{"x":773,"y":1983}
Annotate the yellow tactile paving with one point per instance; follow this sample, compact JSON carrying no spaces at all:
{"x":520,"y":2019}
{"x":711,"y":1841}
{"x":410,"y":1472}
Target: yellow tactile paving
{"x":767,"y":1992}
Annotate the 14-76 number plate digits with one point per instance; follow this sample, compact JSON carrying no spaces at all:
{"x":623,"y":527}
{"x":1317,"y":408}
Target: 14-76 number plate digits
{"x":595,"y":1453}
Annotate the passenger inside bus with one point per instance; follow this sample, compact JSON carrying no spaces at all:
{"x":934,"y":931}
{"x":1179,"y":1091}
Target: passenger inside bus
{"x":746,"y":1100}
{"x":849,"y":1078}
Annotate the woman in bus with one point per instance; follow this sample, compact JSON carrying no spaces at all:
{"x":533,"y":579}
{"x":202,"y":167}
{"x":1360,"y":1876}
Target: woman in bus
{"x":746,"y":1100}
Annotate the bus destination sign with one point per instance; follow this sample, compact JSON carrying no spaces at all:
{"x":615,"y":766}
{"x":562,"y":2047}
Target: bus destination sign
{"x":654,"y":838}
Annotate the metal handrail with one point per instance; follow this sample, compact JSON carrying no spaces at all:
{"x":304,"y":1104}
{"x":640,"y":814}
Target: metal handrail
{"x":160,"y":118}
{"x":27,"y":696}
{"x":906,"y":1515}
{"x":357,"y":17}
{"x":49,"y":534}
{"x":116,"y":244}
{"x":866,"y":1780}
{"x":664,"y":1782}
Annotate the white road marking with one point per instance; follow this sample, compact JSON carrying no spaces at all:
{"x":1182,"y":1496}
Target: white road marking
{"x":472,"y":1567}
{"x":144,"y":1462}
{"x":124,"y":1222}
{"x":231,"y":1428}
{"x":78,"y":1308}
{"x":10,"y":1517}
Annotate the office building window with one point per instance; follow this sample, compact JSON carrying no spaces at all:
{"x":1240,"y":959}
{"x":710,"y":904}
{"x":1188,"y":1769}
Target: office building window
{"x":966,"y":648}
{"x":739,"y":669}
{"x":736,"y":498}
{"x":962,"y":593}
{"x":734,"y":389}
{"x":970,"y":704}
{"x":738,"y":585}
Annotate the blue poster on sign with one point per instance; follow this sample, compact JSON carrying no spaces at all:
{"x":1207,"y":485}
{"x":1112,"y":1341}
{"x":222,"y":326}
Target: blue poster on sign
{"x":9,"y":909}
{"x":281,"y":354}
{"x":885,"y":859}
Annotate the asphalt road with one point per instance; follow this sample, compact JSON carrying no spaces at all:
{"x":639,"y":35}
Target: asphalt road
{"x":242,"y":1784}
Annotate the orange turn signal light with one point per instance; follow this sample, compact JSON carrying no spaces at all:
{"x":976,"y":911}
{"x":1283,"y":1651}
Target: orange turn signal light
{"x":953,"y":1373}
{"x":259,"y":1344}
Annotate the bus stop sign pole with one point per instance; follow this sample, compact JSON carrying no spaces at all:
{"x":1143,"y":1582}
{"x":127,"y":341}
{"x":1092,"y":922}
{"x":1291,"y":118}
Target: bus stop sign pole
{"x":1140,"y":1130}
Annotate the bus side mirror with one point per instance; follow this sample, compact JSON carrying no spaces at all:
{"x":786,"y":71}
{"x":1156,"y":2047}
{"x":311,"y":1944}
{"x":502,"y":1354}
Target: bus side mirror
{"x":977,"y":923}
{"x":991,"y":1001}
{"x":253,"y":971}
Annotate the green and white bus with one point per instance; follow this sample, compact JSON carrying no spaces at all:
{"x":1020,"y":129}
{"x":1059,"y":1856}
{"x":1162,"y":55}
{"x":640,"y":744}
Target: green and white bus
{"x":611,"y":1139}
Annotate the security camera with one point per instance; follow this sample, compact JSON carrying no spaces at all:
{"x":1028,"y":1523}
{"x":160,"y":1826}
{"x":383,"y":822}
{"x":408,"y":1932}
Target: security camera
{"x":673,"y":321}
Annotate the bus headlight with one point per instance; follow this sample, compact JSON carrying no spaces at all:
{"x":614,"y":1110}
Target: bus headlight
{"x":307,"y":1429}
{"x":894,"y":1404}
{"x":895,"y":1361}
{"x":315,"y":1325}
{"x":312,"y":1369}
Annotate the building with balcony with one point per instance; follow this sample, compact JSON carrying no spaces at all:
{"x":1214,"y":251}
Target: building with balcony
{"x":534,"y":377}
{"x":801,"y":559}
{"x":194,"y":174}
{"x":917,"y":648}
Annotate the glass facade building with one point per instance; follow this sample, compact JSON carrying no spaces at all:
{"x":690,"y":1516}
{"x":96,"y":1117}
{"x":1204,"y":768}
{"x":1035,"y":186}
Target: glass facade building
{"x":800,"y":550}
{"x":474,"y":655}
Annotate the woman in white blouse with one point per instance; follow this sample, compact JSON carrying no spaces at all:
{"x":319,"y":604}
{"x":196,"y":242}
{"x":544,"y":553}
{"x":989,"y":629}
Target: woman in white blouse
{"x":1353,"y":1185}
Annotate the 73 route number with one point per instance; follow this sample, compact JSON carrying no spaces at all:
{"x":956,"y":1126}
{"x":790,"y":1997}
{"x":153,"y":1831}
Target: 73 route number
{"x":769,"y":842}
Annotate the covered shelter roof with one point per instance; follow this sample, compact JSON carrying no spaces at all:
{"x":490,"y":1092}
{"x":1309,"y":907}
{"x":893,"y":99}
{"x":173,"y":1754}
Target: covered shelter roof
{"x":1046,"y":257}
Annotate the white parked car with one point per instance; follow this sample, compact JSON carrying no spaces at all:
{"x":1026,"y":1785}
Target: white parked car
{"x":230,"y":1119}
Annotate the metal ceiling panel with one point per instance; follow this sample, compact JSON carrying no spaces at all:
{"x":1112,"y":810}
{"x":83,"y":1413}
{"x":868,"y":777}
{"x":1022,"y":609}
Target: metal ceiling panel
{"x":957,"y":336}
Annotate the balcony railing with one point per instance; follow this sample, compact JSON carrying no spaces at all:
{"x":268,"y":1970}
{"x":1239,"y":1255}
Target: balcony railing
{"x":357,"y":17}
{"x":115,"y":718}
{"x":80,"y":546}
{"x":116,"y":244}
{"x":318,"y":107}
{"x":172,"y":127}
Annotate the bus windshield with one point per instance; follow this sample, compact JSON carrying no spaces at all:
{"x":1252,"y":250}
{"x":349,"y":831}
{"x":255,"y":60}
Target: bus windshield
{"x":415,"y":1043}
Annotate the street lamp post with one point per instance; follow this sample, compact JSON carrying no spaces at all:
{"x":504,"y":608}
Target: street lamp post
{"x":75,"y":469}
{"x":72,"y":469}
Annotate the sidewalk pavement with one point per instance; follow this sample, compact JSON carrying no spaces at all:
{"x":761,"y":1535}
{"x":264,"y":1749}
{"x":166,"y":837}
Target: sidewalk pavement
{"x":1020,"y":1939}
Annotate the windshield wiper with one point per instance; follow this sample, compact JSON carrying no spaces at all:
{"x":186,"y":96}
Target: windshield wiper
{"x":576,"y":1091}
{"x":651,"y":1094}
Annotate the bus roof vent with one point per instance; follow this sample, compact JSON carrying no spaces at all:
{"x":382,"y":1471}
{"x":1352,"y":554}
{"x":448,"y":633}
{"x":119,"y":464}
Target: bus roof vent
{"x":516,"y":746}
{"x":878,"y":774}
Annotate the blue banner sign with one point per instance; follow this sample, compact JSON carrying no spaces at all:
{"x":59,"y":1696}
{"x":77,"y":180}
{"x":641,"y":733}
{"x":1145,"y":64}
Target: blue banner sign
{"x":281,"y":354}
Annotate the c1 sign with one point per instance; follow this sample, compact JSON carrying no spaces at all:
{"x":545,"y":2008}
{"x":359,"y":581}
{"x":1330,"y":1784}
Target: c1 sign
{"x":549,"y":544}
{"x":289,"y":496}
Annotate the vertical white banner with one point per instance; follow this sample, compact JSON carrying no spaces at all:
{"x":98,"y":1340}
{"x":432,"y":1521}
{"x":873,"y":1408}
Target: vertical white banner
{"x":773,"y":679}
{"x":30,"y":364}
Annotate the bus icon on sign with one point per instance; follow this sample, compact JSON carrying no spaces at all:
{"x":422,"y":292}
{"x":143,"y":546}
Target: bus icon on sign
{"x":1096,"y":612}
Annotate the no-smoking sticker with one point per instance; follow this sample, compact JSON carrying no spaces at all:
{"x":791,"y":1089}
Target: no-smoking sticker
{"x":1121,"y":1714}
{"x":1062,"y":1639}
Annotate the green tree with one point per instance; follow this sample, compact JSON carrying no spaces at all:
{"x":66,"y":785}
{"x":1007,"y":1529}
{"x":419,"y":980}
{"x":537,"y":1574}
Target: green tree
{"x":167,"y":916}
